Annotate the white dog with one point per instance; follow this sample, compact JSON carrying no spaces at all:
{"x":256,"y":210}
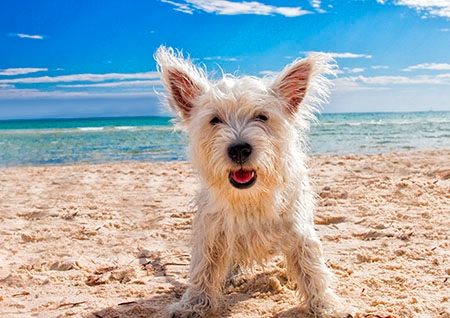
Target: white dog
{"x":247,"y":141}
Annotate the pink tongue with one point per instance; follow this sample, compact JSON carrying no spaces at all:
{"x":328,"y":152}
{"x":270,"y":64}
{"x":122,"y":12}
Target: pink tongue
{"x":242,"y":176}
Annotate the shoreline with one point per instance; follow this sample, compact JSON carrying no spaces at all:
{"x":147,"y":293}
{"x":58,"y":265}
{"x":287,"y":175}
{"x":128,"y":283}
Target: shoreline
{"x":310,"y":157}
{"x":112,"y":239}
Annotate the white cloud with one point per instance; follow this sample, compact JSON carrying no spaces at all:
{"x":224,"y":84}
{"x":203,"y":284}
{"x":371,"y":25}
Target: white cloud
{"x":429,"y":66}
{"x":380,"y":67}
{"x":30,"y":93}
{"x":16,"y":93}
{"x":225,"y":7}
{"x":352,"y":83}
{"x":400,"y":98}
{"x":349,"y":55}
{"x":434,"y":8}
{"x":269,"y":73}
{"x":354,"y":70}
{"x":346,"y":55}
{"x":27,"y":36}
{"x":221,"y":58}
{"x":290,"y":12}
{"x":180,"y":6}
{"x":113,"y":84}
{"x":316,"y":4}
{"x":21,"y":71}
{"x":103,"y":85}
{"x":82,"y":78}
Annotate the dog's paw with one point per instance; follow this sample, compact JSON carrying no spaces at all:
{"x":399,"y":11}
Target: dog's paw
{"x":184,"y":315}
{"x":237,"y":281}
{"x":331,"y":306}
{"x":236,"y":277}
{"x":200,"y":306}
{"x":336,"y":312}
{"x":180,"y":310}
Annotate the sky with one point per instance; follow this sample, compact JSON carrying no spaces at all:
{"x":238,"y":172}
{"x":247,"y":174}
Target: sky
{"x":81,"y":58}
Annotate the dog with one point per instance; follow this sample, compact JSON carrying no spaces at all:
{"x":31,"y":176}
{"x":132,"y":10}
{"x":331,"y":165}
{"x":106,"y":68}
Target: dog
{"x":247,"y":140}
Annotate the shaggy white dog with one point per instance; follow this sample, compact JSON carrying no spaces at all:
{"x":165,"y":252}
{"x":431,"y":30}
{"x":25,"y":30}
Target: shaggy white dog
{"x":247,"y":141}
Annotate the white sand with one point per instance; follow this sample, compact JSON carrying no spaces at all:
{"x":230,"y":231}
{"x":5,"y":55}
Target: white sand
{"x":113,"y":240}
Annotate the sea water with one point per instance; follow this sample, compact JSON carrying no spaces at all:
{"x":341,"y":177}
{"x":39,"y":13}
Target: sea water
{"x":100,"y":140}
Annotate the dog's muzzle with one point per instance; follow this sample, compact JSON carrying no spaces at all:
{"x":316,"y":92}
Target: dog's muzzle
{"x":243,"y":178}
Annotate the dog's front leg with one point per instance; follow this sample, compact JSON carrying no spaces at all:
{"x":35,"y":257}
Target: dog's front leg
{"x":209,"y":264}
{"x":307,"y":268}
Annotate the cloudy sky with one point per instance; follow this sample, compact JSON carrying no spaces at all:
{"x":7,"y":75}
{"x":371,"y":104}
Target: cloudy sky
{"x":78,"y":58}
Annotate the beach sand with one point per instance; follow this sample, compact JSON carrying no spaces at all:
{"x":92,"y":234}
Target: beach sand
{"x":112,"y":240}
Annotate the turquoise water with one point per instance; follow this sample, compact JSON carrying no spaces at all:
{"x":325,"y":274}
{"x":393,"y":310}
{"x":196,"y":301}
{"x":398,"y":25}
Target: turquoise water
{"x":69,"y":141}
{"x":369,"y":133}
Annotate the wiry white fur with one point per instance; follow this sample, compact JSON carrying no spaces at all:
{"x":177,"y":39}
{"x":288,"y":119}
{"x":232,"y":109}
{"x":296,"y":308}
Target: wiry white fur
{"x":236,"y":227}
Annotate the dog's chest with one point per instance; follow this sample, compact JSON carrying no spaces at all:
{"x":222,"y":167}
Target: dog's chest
{"x":256,"y":239}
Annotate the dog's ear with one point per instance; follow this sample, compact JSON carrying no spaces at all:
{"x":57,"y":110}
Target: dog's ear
{"x":293,"y":82}
{"x":183,"y":81}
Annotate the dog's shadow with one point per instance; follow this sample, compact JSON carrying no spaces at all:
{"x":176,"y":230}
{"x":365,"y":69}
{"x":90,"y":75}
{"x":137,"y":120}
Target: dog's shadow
{"x":157,"y":306}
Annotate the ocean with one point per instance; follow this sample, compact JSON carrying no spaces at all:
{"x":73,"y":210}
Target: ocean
{"x":101,"y":140}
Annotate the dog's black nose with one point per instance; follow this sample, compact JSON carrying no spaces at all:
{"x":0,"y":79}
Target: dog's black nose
{"x":240,"y":152}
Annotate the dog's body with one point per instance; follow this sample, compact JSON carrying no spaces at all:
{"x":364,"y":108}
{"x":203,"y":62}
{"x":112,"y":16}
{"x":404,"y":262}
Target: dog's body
{"x":247,"y":140}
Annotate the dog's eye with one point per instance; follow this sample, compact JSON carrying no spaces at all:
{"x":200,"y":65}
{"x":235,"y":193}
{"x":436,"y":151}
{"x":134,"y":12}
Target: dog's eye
{"x":216,"y":120}
{"x":262,"y":117}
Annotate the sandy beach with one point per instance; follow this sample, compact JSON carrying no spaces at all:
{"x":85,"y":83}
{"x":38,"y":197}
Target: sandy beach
{"x":112,"y":240}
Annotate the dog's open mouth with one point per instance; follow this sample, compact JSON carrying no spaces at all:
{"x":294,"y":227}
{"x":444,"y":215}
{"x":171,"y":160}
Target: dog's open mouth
{"x":242,"y":178}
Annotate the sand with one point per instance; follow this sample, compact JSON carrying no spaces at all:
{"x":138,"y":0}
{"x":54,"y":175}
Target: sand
{"x":112,"y":240}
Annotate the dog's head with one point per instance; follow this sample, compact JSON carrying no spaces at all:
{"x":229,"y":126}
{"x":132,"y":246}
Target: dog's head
{"x":245,"y":133}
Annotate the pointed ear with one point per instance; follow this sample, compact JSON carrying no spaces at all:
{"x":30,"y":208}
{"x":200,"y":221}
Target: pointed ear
{"x":293,"y":82}
{"x":182,"y":80}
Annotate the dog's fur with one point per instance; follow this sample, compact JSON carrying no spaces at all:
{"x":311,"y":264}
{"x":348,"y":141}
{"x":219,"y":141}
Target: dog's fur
{"x":247,"y":141}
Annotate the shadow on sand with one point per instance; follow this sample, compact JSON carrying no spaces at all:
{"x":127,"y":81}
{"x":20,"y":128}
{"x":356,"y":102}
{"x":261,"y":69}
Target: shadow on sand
{"x":156,"y":306}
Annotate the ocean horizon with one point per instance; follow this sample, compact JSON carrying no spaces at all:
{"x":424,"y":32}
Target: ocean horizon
{"x":61,"y":141}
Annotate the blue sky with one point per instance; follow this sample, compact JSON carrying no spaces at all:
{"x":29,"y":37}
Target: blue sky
{"x":80,"y":58}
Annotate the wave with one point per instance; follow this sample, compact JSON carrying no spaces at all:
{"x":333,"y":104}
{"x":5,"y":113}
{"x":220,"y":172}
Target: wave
{"x":384,"y":123}
{"x":127,"y":128}
{"x":85,"y":130}
{"x":90,"y":128}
